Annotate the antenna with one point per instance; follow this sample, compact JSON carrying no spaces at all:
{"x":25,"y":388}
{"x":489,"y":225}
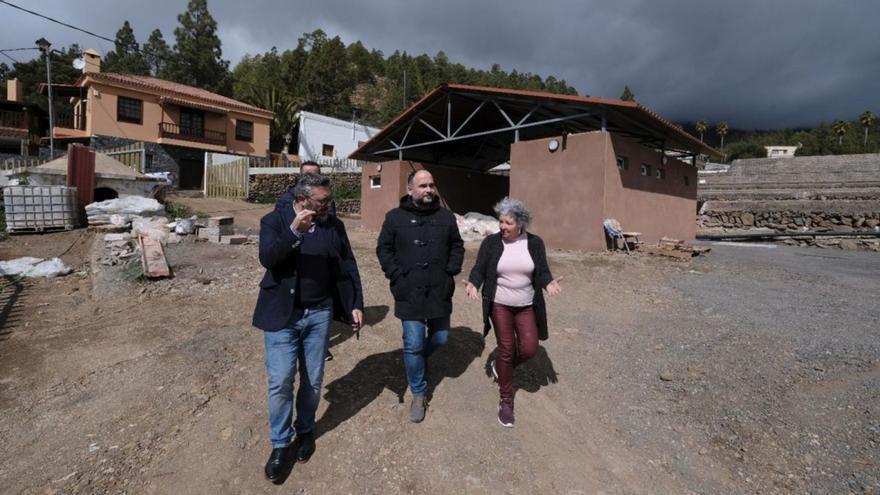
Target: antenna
{"x":79,"y":63}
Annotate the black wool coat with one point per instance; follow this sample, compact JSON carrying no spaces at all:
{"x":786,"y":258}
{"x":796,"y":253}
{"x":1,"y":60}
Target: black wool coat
{"x":420,"y":251}
{"x":485,"y":274}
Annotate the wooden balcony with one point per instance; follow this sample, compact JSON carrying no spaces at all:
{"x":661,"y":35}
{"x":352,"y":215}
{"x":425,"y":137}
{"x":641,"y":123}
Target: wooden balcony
{"x":67,"y":120}
{"x":13,"y":120}
{"x":198,"y":135}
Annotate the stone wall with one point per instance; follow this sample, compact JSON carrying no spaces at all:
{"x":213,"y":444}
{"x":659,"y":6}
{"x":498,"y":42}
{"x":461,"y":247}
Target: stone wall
{"x":266,"y":188}
{"x":791,"y":220}
{"x":785,"y":195}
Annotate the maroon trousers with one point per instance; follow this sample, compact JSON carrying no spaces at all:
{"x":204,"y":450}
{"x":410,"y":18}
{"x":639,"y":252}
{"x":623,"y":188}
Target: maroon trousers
{"x":517,"y":334}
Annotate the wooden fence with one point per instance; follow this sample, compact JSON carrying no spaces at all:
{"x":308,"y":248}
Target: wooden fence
{"x":227,"y":180}
{"x":20,"y":162}
{"x":133,"y":155}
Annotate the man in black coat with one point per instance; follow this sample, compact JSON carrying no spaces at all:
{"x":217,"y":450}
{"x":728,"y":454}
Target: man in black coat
{"x":420,"y":251}
{"x":311,"y":277}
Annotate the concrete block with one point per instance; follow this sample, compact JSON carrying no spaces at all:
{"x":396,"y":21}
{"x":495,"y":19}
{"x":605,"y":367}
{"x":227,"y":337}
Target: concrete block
{"x":220,"y":221}
{"x":233,"y":239}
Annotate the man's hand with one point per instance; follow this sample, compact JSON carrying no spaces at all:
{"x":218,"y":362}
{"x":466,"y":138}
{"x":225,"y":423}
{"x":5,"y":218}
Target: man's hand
{"x":302,"y":222}
{"x":357,"y":320}
{"x":471,"y":290}
{"x":553,"y":287}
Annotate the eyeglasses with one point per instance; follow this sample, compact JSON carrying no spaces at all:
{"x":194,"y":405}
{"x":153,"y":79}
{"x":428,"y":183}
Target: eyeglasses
{"x":324,"y":201}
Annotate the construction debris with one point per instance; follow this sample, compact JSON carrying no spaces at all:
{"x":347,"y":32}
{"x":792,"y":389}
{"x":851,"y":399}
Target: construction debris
{"x":475,"y":226}
{"x":673,"y":248}
{"x":34,"y":267}
{"x":153,"y":259}
{"x":219,"y":227}
{"x":233,"y":239}
{"x":100,"y":213}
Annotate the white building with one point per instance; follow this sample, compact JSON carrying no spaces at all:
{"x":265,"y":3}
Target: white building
{"x":780,"y":151}
{"x":329,"y":141}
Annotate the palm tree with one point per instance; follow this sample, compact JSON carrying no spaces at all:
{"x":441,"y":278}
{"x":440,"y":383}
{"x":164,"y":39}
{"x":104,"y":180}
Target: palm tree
{"x":840,"y":127}
{"x":867,"y":120}
{"x":285,"y":108}
{"x":721,"y":129}
{"x":702,"y":126}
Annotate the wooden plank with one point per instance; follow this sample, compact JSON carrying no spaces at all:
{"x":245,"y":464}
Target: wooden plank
{"x":153,"y":258}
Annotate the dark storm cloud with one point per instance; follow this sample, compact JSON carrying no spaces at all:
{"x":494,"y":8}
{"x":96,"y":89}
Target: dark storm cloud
{"x":753,"y":63}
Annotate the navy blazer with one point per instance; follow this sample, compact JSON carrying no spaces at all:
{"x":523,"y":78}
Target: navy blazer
{"x":279,"y":250}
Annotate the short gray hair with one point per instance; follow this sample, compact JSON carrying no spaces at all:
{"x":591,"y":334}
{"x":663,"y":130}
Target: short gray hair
{"x":515,"y":209}
{"x":306,"y":182}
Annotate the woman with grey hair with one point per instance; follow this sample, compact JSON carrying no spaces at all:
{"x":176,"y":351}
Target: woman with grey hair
{"x":512,"y":269}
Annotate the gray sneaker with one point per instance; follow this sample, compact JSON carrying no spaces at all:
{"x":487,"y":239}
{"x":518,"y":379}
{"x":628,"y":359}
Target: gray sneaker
{"x":417,"y":409}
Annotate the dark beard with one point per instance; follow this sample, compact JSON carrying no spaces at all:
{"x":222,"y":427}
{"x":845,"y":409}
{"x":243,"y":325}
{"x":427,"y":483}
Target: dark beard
{"x":424,"y":202}
{"x":322,"y":218}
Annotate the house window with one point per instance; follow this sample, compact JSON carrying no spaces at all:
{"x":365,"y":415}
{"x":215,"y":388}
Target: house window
{"x":375,"y":181}
{"x":646,"y":170}
{"x":244,"y":130}
{"x":622,"y":163}
{"x":129,"y":110}
{"x":327,"y":150}
{"x":192,"y":122}
{"x":661,"y":173}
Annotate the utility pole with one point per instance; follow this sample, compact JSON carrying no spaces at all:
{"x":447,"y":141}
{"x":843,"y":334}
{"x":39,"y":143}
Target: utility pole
{"x":44,"y":47}
{"x":404,"y":89}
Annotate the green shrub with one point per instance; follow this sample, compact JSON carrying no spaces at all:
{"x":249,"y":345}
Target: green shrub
{"x":177,"y":210}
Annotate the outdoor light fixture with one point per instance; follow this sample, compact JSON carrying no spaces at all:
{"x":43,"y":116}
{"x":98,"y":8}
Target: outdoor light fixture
{"x":664,"y":159}
{"x":379,"y":167}
{"x":553,"y":145}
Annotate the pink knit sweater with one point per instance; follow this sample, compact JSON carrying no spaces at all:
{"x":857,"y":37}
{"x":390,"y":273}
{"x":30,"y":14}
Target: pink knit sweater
{"x":515,"y":269}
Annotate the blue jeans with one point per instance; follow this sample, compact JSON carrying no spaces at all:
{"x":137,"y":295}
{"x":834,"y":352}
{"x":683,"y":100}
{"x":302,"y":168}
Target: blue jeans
{"x":417,"y":347}
{"x":305,"y":337}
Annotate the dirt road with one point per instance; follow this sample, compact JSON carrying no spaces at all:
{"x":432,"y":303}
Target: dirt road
{"x":741,"y":372}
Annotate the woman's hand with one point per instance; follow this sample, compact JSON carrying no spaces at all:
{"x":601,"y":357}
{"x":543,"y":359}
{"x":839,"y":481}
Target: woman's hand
{"x":471,"y":290}
{"x":553,"y":287}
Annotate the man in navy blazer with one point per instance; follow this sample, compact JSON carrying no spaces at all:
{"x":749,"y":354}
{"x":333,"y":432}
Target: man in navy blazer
{"x":311,"y":277}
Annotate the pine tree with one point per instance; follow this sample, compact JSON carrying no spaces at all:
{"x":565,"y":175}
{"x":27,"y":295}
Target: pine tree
{"x":627,"y":94}
{"x":126,"y":58}
{"x":198,"y":57}
{"x":156,"y":53}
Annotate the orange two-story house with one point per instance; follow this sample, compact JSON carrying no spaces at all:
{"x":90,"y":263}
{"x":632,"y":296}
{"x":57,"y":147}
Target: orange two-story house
{"x":177,"y":123}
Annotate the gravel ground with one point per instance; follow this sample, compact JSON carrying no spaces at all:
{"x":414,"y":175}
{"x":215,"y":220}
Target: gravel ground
{"x":750,"y":370}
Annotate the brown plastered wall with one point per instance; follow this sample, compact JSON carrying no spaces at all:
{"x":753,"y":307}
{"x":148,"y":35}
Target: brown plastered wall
{"x":564,"y":189}
{"x":460,"y":190}
{"x":260,"y":144}
{"x":101,"y":120}
{"x":654,"y":207}
{"x":376,"y":202}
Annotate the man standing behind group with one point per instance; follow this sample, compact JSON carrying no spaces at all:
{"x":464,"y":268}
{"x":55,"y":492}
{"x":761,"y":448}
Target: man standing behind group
{"x":420,"y":251}
{"x":311,"y":277}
